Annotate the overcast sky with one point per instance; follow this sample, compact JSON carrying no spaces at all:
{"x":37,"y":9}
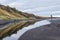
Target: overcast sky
{"x":37,"y":7}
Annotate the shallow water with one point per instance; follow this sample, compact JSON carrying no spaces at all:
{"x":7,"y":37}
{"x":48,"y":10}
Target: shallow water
{"x":23,"y":30}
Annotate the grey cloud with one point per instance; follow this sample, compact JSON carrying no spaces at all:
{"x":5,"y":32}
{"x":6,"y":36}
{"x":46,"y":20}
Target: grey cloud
{"x":35,"y":6}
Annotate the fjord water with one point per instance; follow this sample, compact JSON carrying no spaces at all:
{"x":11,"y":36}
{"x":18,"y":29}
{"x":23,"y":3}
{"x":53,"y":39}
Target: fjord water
{"x":20,"y":32}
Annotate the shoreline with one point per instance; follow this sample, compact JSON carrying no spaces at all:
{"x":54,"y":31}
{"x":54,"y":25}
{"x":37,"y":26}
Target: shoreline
{"x":46,"y":32}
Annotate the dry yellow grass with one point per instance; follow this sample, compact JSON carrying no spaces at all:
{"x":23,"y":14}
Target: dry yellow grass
{"x":7,"y":15}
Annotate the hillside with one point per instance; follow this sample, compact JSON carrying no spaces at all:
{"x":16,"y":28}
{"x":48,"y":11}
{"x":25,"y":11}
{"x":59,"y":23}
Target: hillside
{"x":7,"y":12}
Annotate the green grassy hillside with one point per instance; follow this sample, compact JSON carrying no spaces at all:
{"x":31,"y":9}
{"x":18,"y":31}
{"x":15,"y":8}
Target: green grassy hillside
{"x":7,"y":12}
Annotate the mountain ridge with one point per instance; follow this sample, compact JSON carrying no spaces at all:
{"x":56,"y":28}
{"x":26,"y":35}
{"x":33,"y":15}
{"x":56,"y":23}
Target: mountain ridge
{"x":7,"y":12}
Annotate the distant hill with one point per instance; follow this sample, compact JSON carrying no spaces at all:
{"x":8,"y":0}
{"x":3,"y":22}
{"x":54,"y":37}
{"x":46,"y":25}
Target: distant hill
{"x":7,"y":12}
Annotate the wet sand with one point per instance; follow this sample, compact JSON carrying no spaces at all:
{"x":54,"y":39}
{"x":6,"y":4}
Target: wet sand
{"x":46,"y":32}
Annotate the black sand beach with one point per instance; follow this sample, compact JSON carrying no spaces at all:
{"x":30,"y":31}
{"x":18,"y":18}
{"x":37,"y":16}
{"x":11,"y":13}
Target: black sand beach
{"x":46,"y":32}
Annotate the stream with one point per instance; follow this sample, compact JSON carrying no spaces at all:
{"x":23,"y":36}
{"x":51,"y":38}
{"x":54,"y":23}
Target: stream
{"x":24,"y":29}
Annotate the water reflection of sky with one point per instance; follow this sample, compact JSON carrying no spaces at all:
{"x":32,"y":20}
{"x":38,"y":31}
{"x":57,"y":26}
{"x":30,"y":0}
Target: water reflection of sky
{"x":20,"y":32}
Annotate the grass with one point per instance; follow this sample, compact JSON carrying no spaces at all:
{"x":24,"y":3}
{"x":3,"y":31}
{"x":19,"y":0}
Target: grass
{"x":7,"y":15}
